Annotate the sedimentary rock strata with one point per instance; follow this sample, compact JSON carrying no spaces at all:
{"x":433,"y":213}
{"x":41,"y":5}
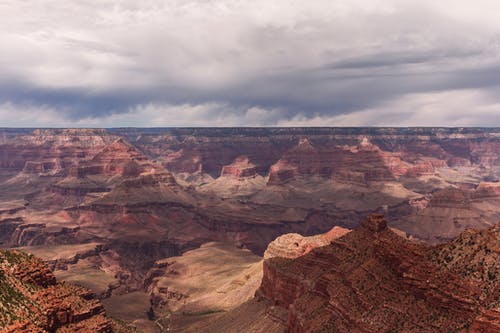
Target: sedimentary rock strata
{"x":147,"y":194}
{"x":372,"y":280}
{"x":32,"y":300}
{"x":294,"y":245}
{"x":240,"y":168}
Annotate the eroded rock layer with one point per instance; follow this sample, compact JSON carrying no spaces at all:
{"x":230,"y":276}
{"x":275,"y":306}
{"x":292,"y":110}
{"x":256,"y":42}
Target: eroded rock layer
{"x":31,"y":300}
{"x":372,"y":280}
{"x":294,"y":245}
{"x":144,"y":195}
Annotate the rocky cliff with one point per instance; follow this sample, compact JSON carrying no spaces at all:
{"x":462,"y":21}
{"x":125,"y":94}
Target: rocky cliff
{"x":372,"y":280}
{"x":33,"y":301}
{"x":245,"y":183}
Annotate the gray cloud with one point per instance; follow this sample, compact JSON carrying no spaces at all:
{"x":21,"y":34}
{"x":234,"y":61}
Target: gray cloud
{"x":244,"y":62}
{"x":392,"y":59}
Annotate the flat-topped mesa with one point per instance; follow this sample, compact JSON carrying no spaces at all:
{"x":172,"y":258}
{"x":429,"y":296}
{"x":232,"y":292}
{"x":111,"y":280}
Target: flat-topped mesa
{"x":150,"y":179}
{"x":375,"y":223}
{"x":240,"y":168}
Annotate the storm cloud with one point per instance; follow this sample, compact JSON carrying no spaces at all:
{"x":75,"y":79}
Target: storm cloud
{"x":256,"y":63}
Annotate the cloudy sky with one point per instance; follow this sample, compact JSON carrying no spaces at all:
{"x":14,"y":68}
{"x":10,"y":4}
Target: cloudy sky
{"x":102,"y":63}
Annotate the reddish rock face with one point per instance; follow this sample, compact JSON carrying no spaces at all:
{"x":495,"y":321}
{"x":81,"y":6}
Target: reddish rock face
{"x":32,"y":301}
{"x":372,"y":280}
{"x":27,"y":150}
{"x":361,"y":163}
{"x":304,"y":159}
{"x":294,"y":245}
{"x":42,"y":167}
{"x":487,"y":322}
{"x":240,"y":168}
{"x":76,"y":169}
{"x":118,"y":158}
{"x":425,"y":167}
{"x":375,"y":223}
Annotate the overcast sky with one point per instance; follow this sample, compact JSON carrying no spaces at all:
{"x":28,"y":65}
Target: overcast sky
{"x":100,"y":63}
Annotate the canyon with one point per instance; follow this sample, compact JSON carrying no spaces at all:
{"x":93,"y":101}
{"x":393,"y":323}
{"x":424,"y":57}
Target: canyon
{"x":133,"y":214}
{"x":374,"y":280}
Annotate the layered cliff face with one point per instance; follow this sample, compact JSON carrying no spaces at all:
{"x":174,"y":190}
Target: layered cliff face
{"x":147,"y":194}
{"x":241,"y":181}
{"x":372,"y":280}
{"x":32,"y":300}
{"x":240,"y":168}
{"x":114,"y":191}
{"x":361,"y":163}
{"x":49,"y":150}
{"x":210,"y":288}
{"x":447,"y":212}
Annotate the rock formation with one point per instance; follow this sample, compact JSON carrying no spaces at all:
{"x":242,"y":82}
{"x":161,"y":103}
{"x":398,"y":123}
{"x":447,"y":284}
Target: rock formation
{"x":294,"y":245}
{"x":294,"y":179}
{"x":117,"y":158}
{"x":486,"y":190}
{"x":47,"y":149}
{"x":372,"y":280}
{"x":445,"y":213}
{"x":148,"y":194}
{"x":210,"y":280}
{"x":240,"y":168}
{"x":32,"y":300}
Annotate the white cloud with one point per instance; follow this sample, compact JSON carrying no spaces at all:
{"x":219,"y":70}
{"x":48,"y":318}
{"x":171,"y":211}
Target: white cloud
{"x":451,"y":108}
{"x":149,"y":115}
{"x":270,"y":55}
{"x":104,"y":44}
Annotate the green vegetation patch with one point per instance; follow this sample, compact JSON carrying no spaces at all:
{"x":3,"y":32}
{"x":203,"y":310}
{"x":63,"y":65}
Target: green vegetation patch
{"x":14,"y":305}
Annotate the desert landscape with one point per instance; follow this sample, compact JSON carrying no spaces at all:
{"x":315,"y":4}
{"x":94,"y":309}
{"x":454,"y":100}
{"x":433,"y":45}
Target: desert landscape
{"x":222,"y":166}
{"x":258,"y":229}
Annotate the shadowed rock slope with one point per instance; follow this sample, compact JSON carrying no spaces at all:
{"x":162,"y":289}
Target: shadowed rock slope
{"x":31,"y":300}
